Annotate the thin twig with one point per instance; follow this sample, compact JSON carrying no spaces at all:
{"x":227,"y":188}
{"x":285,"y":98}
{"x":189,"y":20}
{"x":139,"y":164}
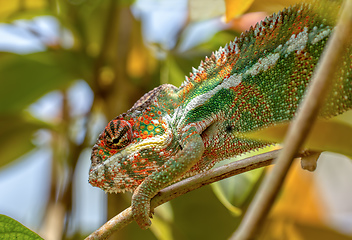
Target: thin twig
{"x":189,"y":184}
{"x":299,"y":129}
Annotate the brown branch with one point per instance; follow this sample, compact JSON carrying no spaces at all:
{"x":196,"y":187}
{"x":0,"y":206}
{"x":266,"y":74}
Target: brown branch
{"x":299,"y":128}
{"x":125,"y":217}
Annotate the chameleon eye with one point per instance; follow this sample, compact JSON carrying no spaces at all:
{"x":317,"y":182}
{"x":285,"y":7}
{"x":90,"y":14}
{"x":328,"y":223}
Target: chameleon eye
{"x":118,"y":134}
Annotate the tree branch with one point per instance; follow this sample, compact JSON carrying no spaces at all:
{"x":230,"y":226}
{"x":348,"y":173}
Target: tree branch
{"x":299,"y":128}
{"x":189,"y":184}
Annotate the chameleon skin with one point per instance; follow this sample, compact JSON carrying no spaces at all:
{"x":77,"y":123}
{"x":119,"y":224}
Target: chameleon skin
{"x":255,"y":81}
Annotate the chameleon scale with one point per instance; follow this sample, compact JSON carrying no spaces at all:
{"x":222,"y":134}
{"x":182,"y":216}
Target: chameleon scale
{"x":255,"y":81}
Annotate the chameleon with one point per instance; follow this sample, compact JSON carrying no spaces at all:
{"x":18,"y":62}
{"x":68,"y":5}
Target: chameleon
{"x":255,"y":81}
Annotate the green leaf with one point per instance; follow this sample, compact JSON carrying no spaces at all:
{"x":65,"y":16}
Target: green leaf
{"x":233,"y":192}
{"x":25,"y":78}
{"x":11,"y":229}
{"x":16,"y":133}
{"x":223,"y":198}
{"x":200,"y":215}
{"x":219,"y":39}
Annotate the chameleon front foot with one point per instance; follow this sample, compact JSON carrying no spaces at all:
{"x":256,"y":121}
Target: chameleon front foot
{"x":141,"y":211}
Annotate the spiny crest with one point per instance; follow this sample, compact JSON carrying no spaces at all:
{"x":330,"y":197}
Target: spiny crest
{"x":233,"y":48}
{"x":217,"y":59}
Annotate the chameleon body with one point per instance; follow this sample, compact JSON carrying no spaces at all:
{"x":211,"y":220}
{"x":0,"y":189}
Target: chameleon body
{"x":255,"y":81}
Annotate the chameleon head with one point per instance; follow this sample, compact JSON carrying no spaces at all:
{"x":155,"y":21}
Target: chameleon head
{"x":129,"y":149}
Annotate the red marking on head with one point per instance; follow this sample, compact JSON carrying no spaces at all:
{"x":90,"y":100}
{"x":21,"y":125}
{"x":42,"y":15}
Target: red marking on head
{"x":143,"y":135}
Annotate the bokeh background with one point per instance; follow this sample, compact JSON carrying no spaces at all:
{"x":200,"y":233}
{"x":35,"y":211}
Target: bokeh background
{"x":69,"y":66}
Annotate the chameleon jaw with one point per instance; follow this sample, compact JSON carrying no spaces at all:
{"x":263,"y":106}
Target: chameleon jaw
{"x":100,"y":174}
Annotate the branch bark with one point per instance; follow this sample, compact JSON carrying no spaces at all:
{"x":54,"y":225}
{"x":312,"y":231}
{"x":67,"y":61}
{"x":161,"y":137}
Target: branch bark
{"x":299,"y":128}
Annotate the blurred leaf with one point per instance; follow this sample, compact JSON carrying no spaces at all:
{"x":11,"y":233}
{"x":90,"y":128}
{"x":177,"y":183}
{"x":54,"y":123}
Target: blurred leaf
{"x":299,"y":199}
{"x":136,"y":64}
{"x":345,"y":118}
{"x":326,"y":135}
{"x":235,"y":8}
{"x":15,"y":9}
{"x":224,"y":199}
{"x":16,"y":133}
{"x":89,"y":20}
{"x":140,"y":62}
{"x":271,"y":6}
{"x":236,"y":190}
{"x":25,"y":78}
{"x":202,"y":10}
{"x":85,"y":19}
{"x":301,"y":211}
{"x":200,"y":215}
{"x":219,"y":39}
{"x":205,"y":9}
{"x":161,"y":222}
{"x":173,"y":73}
{"x":11,"y":229}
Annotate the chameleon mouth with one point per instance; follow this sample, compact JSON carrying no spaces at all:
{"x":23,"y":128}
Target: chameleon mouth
{"x":110,"y":174}
{"x":100,"y":170}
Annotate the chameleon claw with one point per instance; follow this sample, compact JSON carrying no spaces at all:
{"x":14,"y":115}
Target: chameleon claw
{"x":141,"y":211}
{"x":151,"y":214}
{"x":143,"y":222}
{"x":142,"y":215}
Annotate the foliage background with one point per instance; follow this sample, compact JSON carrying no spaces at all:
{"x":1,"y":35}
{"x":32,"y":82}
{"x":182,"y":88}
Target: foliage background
{"x":67,"y":67}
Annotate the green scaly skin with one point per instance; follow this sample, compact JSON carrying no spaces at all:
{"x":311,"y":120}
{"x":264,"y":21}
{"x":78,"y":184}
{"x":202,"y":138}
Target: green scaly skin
{"x":253,"y":82}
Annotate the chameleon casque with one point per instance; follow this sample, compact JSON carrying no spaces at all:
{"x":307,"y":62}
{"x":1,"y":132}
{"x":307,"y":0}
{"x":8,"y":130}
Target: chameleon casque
{"x":255,"y":81}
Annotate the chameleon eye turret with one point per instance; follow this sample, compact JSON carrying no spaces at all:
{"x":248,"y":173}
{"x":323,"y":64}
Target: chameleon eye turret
{"x":118,"y":134}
